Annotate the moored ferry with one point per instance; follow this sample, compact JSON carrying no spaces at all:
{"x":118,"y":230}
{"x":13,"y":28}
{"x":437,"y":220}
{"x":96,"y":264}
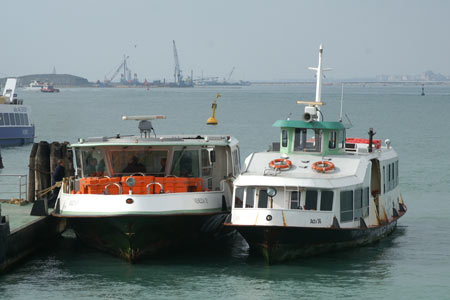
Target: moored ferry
{"x":16,"y":127}
{"x":316,"y":190}
{"x":136,"y":196}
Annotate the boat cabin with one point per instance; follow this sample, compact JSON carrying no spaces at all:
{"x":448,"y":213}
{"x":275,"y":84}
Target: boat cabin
{"x":321,"y":138}
{"x":187,"y":163}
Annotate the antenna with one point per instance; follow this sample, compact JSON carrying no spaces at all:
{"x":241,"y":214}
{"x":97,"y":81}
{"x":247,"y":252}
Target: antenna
{"x":342,"y":102}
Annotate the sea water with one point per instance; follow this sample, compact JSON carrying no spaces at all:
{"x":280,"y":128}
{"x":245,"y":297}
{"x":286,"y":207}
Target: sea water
{"x":412,"y":263}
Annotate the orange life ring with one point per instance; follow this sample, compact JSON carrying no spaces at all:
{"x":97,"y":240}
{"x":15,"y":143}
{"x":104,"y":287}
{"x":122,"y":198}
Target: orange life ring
{"x":323,"y":166}
{"x":280,"y":163}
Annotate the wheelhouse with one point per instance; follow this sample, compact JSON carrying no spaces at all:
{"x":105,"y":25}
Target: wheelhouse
{"x":321,"y":138}
{"x":208,"y":160}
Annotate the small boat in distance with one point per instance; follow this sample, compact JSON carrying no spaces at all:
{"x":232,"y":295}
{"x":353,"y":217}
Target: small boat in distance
{"x":34,"y":86}
{"x":316,"y":190}
{"x":16,"y":127}
{"x":48,"y":88}
{"x":138,"y":196}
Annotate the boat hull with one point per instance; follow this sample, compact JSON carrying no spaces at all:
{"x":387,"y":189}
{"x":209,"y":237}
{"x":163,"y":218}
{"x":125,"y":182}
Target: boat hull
{"x":16,"y":135}
{"x":277,"y":244}
{"x":136,"y":237}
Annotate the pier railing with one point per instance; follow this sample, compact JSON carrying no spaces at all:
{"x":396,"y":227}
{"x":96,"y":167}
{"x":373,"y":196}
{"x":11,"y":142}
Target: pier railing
{"x":13,"y":186}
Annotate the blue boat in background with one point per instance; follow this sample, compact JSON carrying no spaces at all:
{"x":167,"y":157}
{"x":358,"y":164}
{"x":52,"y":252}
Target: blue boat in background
{"x":16,"y":127}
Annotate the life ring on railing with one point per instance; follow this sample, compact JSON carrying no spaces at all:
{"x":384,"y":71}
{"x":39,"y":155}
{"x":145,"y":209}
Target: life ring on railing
{"x":323,"y":166}
{"x":280,"y":163}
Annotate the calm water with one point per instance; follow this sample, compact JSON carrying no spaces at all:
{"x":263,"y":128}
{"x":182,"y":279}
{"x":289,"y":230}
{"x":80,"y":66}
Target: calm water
{"x":413,"y":263}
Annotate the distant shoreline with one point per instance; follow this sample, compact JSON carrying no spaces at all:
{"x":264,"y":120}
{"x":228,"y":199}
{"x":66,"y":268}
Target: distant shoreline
{"x":72,"y":81}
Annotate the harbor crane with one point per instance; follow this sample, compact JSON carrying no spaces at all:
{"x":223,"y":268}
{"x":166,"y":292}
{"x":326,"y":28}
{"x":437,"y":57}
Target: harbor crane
{"x":231,"y":73}
{"x":178,"y":78}
{"x":126,"y":71}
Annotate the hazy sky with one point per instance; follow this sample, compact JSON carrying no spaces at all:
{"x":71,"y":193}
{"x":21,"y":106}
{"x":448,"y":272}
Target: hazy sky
{"x":263,"y":40}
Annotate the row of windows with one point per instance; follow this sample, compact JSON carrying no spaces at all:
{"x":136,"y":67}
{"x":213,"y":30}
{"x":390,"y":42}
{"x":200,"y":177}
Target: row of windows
{"x":390,"y":176}
{"x":257,"y":198}
{"x":13,"y":119}
{"x":354,"y":204}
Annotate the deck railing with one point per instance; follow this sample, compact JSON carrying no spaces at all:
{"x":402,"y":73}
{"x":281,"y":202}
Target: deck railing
{"x":13,"y":186}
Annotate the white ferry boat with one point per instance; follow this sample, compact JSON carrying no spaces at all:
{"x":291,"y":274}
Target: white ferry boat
{"x":316,"y":190}
{"x":135,"y":196}
{"x":34,"y":86}
{"x":16,"y":127}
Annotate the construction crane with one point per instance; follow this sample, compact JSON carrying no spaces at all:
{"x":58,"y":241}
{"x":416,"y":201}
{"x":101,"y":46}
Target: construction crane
{"x":178,"y":78}
{"x":231,"y":73}
{"x":125,"y":70}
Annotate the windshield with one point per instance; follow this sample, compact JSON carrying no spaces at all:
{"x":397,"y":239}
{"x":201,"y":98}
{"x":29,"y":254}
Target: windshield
{"x":148,"y":162}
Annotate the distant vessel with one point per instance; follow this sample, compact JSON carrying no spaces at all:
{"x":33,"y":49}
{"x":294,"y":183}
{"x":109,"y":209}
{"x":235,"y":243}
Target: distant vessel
{"x":316,"y":190}
{"x":136,"y":196}
{"x":34,"y":86}
{"x":213,"y":81}
{"x":15,"y":119}
{"x":48,"y":88}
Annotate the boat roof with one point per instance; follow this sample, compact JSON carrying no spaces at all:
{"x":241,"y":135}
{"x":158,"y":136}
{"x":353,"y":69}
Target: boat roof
{"x":162,"y":140}
{"x":348,"y":170}
{"x":312,"y":125}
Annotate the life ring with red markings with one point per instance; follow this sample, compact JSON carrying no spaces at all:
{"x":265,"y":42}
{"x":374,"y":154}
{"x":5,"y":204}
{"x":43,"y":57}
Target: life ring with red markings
{"x":280,"y":163}
{"x":323,"y":166}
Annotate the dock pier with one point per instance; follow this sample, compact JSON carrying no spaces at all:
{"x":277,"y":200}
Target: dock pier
{"x":26,"y":223}
{"x":22,"y":234}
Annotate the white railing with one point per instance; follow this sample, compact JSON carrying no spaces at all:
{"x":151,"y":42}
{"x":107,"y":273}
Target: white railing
{"x":13,"y":186}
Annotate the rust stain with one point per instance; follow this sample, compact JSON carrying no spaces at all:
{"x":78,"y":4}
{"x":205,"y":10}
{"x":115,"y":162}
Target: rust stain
{"x":284,"y":220}
{"x":256,"y":220}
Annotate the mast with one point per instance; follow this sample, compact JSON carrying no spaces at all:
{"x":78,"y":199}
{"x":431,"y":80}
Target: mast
{"x":319,"y":70}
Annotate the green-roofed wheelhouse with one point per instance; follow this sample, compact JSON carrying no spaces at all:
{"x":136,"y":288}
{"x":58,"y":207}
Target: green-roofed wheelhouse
{"x":321,"y":138}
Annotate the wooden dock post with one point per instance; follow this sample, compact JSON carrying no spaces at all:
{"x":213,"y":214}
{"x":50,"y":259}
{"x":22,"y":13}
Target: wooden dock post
{"x":42,"y":166}
{"x":31,"y":174}
{"x":56,"y":153}
{"x":68,"y":160}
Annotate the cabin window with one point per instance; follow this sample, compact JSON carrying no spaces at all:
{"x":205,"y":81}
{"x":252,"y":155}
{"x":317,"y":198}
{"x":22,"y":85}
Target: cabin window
{"x":357,"y":204}
{"x":346,"y":206}
{"x":262,"y":199}
{"x":393,"y":175}
{"x":284,"y":138}
{"x":342,"y":139}
{"x":17,"y":117}
{"x":6,"y":116}
{"x":365,"y":202}
{"x":326,"y":200}
{"x":12,"y":119}
{"x":206,"y":165}
{"x":185,"y":163}
{"x":25,"y":117}
{"x":2,"y":122}
{"x":396,"y":172}
{"x":389,"y":177}
{"x":93,"y":161}
{"x":238,"y":197}
{"x":130,"y":161}
{"x":236,"y":162}
{"x":250,"y":198}
{"x":311,"y":200}
{"x":22,"y":121}
{"x":307,"y":139}
{"x":295,"y":200}
{"x":332,"y":140}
